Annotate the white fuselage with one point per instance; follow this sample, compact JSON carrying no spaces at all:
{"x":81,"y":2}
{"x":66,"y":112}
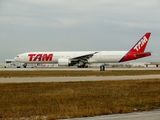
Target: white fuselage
{"x":99,"y":57}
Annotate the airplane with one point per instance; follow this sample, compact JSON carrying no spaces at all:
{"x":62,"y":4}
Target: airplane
{"x":84,"y":58}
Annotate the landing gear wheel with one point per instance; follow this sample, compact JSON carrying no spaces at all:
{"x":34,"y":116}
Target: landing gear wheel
{"x":25,"y":65}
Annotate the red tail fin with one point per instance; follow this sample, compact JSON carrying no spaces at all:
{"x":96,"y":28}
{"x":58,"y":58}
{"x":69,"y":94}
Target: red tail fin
{"x":141,"y":44}
{"x":138,"y":48}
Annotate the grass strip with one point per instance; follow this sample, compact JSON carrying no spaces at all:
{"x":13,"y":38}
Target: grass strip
{"x":77,"y":99}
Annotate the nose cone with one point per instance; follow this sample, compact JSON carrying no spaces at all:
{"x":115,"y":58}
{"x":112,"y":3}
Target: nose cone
{"x":20,"y":58}
{"x":15,"y":59}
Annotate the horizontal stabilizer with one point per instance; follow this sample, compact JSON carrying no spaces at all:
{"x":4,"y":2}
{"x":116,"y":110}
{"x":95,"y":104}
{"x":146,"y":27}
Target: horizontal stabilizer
{"x":145,"y":54}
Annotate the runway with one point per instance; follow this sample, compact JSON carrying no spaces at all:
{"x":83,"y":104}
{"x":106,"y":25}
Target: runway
{"x":75,"y":79}
{"x":149,"y":115}
{"x":77,"y":69}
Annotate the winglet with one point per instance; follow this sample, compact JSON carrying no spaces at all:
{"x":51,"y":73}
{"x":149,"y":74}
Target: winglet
{"x":138,"y":49}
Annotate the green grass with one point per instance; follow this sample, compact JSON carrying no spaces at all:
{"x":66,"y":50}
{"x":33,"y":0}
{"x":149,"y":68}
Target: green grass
{"x":50,"y":73}
{"x":77,"y":99}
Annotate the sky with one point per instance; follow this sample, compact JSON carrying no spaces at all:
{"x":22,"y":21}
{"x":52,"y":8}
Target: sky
{"x":77,"y":25}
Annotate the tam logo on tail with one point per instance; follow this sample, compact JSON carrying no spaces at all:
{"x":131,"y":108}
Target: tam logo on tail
{"x":140,"y":43}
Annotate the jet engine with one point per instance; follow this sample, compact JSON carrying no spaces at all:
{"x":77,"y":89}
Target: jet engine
{"x":63,"y":62}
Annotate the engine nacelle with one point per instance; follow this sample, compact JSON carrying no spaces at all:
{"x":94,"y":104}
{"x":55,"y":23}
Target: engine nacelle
{"x":63,"y":62}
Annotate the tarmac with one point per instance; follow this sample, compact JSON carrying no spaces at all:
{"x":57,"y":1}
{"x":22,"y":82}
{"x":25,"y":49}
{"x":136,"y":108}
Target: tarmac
{"x":147,"y":115}
{"x":75,"y":79}
{"x":77,"y":69}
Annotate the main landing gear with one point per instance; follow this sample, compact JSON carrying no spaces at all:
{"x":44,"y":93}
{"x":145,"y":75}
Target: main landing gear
{"x":25,"y":65}
{"x":82,"y":65}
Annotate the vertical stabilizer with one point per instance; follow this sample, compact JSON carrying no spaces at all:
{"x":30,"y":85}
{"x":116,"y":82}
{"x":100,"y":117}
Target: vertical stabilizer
{"x":140,"y":46}
{"x":137,"y":51}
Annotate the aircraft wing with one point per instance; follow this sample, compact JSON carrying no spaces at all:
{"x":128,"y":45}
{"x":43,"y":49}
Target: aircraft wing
{"x":82,"y":58}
